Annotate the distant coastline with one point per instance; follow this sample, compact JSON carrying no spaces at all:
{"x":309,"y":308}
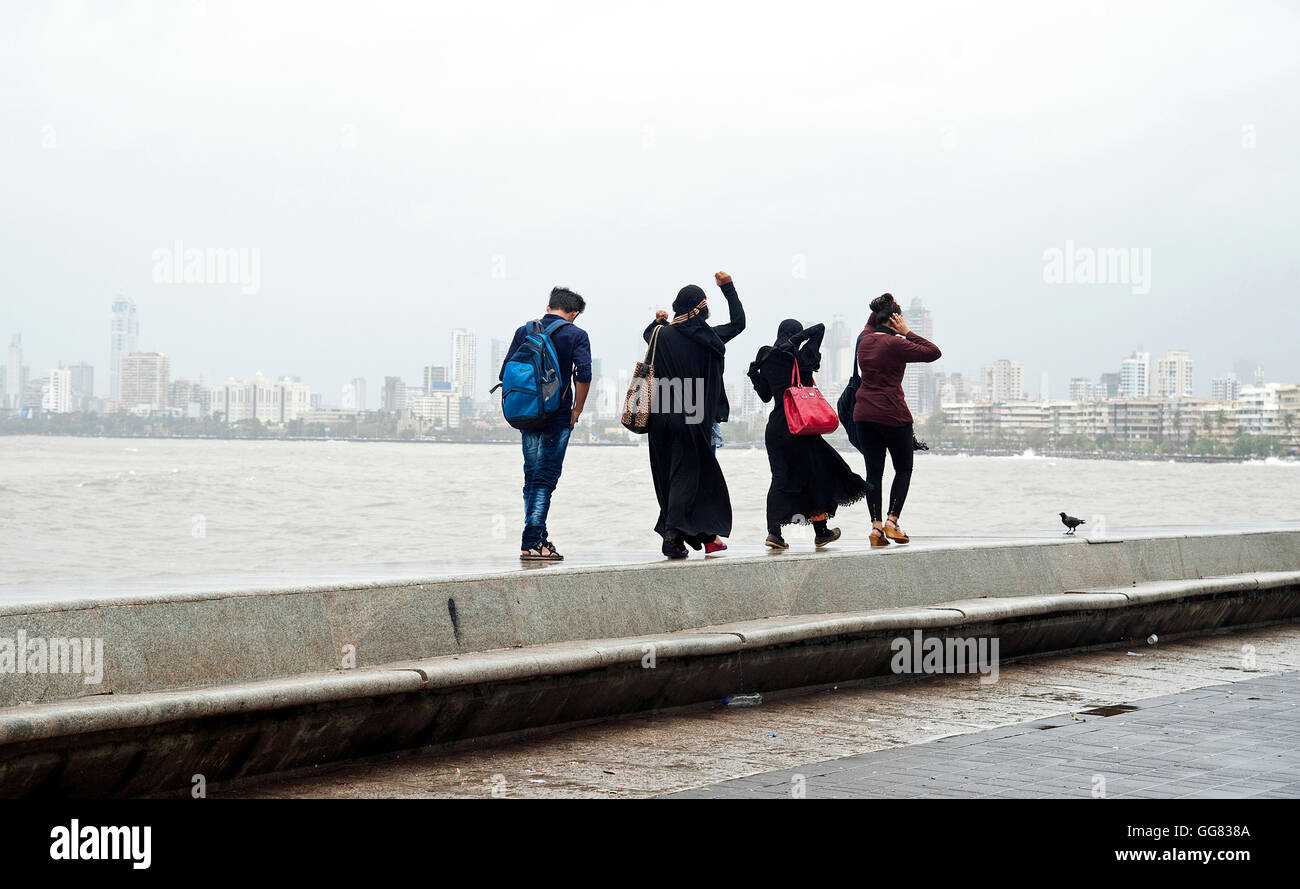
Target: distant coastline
{"x":1046,"y":453}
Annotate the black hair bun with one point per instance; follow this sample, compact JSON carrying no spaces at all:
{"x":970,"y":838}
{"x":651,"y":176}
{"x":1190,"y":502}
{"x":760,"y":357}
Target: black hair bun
{"x":884,"y":301}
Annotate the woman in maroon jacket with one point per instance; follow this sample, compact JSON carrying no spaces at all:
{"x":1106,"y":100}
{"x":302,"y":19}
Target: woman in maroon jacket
{"x":880,"y":412}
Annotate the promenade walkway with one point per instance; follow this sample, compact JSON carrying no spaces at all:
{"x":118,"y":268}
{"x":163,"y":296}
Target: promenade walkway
{"x":1229,"y":741}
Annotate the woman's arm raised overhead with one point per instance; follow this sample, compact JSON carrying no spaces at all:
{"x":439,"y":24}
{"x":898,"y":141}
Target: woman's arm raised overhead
{"x":734,"y":326}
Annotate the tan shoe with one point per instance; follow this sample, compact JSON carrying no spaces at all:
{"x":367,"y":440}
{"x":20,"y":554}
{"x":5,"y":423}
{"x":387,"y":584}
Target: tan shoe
{"x":895,"y":533}
{"x":878,"y":538}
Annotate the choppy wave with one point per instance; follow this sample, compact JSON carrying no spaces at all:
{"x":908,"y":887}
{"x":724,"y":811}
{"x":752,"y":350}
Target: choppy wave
{"x":74,"y":511}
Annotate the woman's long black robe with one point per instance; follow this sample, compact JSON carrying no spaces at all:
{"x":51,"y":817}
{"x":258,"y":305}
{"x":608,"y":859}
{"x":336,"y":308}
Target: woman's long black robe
{"x":692,"y":493}
{"x":808,"y":475}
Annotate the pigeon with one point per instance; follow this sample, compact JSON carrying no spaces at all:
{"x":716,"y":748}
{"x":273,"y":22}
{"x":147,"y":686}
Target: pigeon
{"x":1071,"y":522}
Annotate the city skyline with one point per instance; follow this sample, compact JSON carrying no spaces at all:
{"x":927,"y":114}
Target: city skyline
{"x":1138,"y":375}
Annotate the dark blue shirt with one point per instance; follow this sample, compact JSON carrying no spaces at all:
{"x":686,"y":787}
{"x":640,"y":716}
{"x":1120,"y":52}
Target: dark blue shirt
{"x":573,"y":349}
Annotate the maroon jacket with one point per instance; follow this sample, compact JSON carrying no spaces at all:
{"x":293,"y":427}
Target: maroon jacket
{"x":882,"y":358}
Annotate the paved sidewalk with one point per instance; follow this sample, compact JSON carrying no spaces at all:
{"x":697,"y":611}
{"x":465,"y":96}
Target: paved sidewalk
{"x":1232,"y":741}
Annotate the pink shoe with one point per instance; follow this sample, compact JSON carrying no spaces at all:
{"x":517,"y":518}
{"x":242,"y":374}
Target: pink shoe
{"x":713,"y":546}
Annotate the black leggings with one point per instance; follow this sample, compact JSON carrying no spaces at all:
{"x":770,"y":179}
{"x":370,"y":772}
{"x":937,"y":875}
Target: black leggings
{"x":875,"y":440}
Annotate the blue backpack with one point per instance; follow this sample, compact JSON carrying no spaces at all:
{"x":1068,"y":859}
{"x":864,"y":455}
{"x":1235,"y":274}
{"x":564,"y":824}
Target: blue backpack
{"x":530,"y":385}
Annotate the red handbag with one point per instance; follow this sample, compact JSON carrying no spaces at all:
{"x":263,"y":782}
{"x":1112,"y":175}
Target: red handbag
{"x":806,"y":411}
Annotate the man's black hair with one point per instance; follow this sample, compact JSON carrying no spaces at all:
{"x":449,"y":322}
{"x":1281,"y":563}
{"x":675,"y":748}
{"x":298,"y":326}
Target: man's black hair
{"x":566,"y":300}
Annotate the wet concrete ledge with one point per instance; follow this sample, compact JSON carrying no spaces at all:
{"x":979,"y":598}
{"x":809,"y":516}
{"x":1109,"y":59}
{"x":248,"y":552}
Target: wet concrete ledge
{"x":1035,"y":598}
{"x":156,"y":742}
{"x":194,"y":639}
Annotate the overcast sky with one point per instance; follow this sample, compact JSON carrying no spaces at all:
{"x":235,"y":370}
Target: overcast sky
{"x":407,"y":168}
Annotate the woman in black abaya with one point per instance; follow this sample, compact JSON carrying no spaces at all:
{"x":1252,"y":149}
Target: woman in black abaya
{"x":694,"y":504}
{"x":810,"y":480}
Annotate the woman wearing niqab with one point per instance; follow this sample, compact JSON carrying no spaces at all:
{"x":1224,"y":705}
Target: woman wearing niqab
{"x":694,"y":504}
{"x":810,"y":480}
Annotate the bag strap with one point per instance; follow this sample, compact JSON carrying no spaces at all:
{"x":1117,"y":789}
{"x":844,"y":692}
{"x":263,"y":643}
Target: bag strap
{"x":652,"y":347}
{"x":554,"y":326}
{"x":795,"y":379}
{"x":857,"y":376}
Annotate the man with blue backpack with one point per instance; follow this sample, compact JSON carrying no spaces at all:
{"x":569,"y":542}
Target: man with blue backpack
{"x":544,"y":383}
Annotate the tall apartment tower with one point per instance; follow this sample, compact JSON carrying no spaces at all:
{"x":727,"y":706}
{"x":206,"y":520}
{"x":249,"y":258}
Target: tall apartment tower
{"x":1225,"y":388}
{"x":1174,"y":375}
{"x":919,"y":386}
{"x":1135,"y":376}
{"x":394,"y":397}
{"x":499,"y":357}
{"x":124,"y":339}
{"x":146,"y":380}
{"x":837,"y":352}
{"x":464,"y":362}
{"x":1003,"y":380}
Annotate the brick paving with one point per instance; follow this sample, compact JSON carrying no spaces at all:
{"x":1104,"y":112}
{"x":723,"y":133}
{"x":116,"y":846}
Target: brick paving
{"x":1225,"y":741}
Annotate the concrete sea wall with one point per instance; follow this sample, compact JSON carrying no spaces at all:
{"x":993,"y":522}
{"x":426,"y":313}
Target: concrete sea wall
{"x":240,"y":683}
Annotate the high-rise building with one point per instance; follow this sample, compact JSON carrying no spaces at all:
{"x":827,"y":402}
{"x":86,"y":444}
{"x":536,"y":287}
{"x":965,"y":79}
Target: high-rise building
{"x":919,"y":388}
{"x":1174,"y":375}
{"x":124,"y":339}
{"x":750,"y":403}
{"x":192,"y":399}
{"x":1245,"y":371}
{"x":1083,"y":389}
{"x":145,"y":382}
{"x":82,"y":376}
{"x":954,"y":388}
{"x":1225,"y":388}
{"x":1135,"y":375}
{"x":14,"y":382}
{"x":1108,"y":385}
{"x":295,"y":399}
{"x":358,"y":394}
{"x":394,"y":394}
{"x":434,"y":373}
{"x":33,"y":391}
{"x":464,"y":362}
{"x":499,"y":358}
{"x":56,"y":392}
{"x":1003,"y":380}
{"x":837,"y":352}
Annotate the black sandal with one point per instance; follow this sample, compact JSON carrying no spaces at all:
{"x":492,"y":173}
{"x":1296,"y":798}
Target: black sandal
{"x":536,"y":555}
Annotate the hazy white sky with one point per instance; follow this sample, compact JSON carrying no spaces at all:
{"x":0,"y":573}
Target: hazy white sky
{"x":385,"y":158}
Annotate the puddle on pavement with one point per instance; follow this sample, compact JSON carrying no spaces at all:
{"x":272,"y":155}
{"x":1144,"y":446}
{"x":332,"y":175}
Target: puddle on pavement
{"x":1111,"y":710}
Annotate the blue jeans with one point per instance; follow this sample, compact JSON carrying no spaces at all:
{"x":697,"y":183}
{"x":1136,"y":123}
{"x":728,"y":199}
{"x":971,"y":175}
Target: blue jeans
{"x":715,"y":437}
{"x":543,"y":460}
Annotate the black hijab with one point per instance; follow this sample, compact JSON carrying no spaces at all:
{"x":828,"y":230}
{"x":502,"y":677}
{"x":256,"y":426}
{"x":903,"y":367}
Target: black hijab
{"x":695,"y":328}
{"x":788,"y":328}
